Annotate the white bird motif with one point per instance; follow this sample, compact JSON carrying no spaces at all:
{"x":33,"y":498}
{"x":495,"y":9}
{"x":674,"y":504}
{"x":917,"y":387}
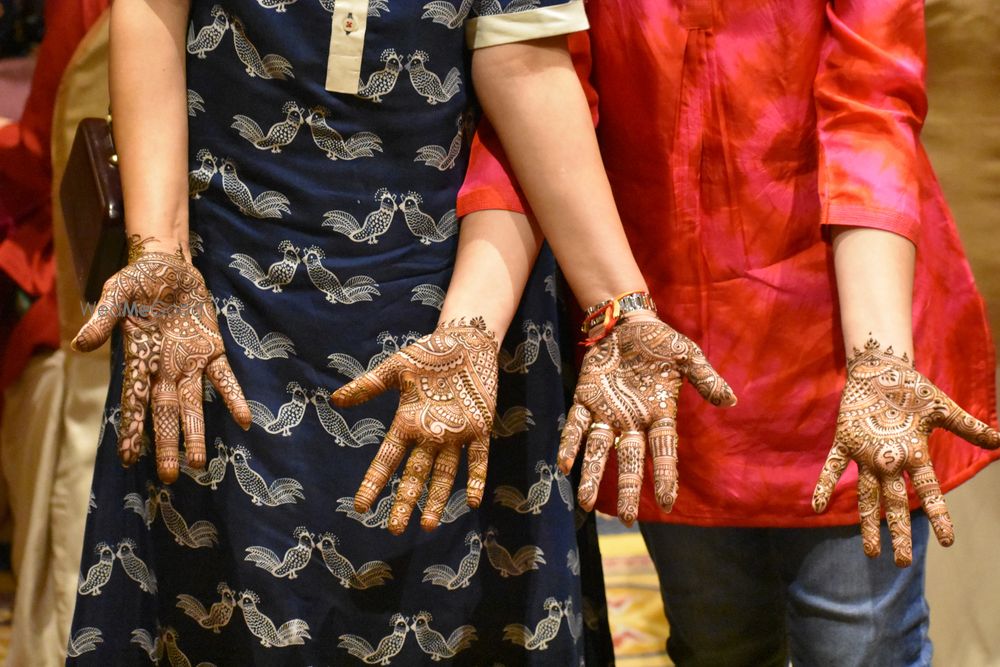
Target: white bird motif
{"x":354,"y":289}
{"x":456,"y":506}
{"x":381,"y":82}
{"x":174,"y":653}
{"x":195,"y":243}
{"x":443,"y":12}
{"x":526,"y":352}
{"x":112,"y":417}
{"x":195,"y":102}
{"x":199,"y":179}
{"x":215,"y":618}
{"x":438,"y":157}
{"x":289,"y":414}
{"x":352,"y":368}
{"x":573,"y":562}
{"x":564,"y":487}
{"x":388,"y":648}
{"x":214,"y":471}
{"x":145,"y":508}
{"x":528,"y":557}
{"x":268,"y":204}
{"x":492,"y":7}
{"x":516,"y":419}
{"x":423,"y":225}
{"x":149,"y":642}
{"x":550,"y":284}
{"x":92,"y":503}
{"x":330,"y":141}
{"x":375,"y":225}
{"x":433,"y":642}
{"x":271,"y":66}
{"x":427,"y":83}
{"x":273,"y":345}
{"x":293,"y":632}
{"x":83,"y":641}
{"x":279,"y":135}
{"x":442,"y":575}
{"x":279,"y":6}
{"x":209,"y":37}
{"x":544,"y":632}
{"x":375,"y":517}
{"x":296,"y":558}
{"x":375,"y":7}
{"x":574,"y":621}
{"x":538,"y":494}
{"x":135,"y":567}
{"x":368,"y":575}
{"x":552,"y":345}
{"x":428,"y":294}
{"x":281,"y":491}
{"x":366,"y":431}
{"x":278,"y":274}
{"x":198,"y":535}
{"x":99,"y":573}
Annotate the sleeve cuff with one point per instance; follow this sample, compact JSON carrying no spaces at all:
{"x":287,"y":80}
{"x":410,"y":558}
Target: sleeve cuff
{"x":486,"y":199}
{"x":496,"y":29}
{"x":850,"y":215}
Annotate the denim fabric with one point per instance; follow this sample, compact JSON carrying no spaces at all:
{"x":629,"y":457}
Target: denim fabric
{"x":808,"y":596}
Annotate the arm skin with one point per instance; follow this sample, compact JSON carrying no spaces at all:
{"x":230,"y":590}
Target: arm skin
{"x":532,"y":96}
{"x":149,"y":108}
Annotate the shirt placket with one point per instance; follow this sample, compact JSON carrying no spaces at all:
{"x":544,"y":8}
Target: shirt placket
{"x":347,"y":45}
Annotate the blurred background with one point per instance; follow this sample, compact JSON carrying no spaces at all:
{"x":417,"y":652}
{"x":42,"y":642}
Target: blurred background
{"x":52,"y":398}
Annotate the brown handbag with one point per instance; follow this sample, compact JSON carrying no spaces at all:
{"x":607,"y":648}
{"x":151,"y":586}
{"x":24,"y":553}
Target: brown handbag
{"x":92,"y":205}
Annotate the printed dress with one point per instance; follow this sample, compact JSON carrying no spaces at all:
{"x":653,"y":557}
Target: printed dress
{"x":328,"y":143}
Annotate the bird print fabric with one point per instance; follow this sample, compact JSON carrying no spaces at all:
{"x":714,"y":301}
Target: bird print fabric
{"x":326,"y":232}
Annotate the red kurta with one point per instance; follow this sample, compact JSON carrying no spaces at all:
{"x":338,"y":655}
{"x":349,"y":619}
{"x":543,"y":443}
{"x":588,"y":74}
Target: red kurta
{"x":732,"y":132}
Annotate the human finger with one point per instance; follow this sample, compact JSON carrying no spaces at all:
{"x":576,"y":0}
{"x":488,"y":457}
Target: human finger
{"x":107,"y":313}
{"x":964,"y":425}
{"x":166,"y":429}
{"x":368,"y":385}
{"x":631,"y":454}
{"x":926,"y":484}
{"x":221,"y":374}
{"x":140,"y":359}
{"x":897,"y":514}
{"x":663,"y":446}
{"x":411,"y":486}
{"x":190,"y":391}
{"x":599,"y":442}
{"x":870,"y":511}
{"x":577,"y":422}
{"x":833,"y":468}
{"x":700,"y":373}
{"x":439,"y":489}
{"x":479,"y":456}
{"x":388,"y":458}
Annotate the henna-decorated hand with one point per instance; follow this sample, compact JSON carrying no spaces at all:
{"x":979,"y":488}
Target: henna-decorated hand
{"x":887,"y":411}
{"x":171,"y":339}
{"x":448,"y":387}
{"x":628,"y":390}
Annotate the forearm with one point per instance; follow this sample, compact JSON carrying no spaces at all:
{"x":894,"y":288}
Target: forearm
{"x":874,"y":271}
{"x":149,"y":108}
{"x":496,"y":253}
{"x":533,"y":98}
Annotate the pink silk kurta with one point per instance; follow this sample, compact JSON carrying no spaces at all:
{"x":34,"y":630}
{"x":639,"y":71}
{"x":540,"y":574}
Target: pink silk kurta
{"x":732,"y":133}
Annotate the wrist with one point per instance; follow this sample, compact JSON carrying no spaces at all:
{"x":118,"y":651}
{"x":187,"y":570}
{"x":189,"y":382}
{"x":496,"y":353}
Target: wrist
{"x":141,"y":244}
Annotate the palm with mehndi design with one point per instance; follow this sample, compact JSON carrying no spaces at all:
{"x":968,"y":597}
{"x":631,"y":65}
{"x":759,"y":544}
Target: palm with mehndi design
{"x":887,"y":412}
{"x":171,"y":339}
{"x":448,"y":384}
{"x":628,"y":388}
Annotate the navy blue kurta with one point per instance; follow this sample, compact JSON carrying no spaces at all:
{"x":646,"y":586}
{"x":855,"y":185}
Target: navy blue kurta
{"x":323,"y":218}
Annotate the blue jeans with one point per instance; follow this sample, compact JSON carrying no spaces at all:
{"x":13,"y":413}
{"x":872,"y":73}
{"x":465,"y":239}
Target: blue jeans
{"x":764,"y":596}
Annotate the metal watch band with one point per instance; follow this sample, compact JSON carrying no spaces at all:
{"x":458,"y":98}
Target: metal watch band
{"x":626,"y":304}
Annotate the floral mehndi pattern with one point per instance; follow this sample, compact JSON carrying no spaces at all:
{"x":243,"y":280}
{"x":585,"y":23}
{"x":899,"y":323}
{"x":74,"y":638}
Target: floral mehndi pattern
{"x":887,"y":412}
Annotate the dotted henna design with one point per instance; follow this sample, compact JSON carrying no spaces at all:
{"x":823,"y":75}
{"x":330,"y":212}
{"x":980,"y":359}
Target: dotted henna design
{"x":629,"y":383}
{"x":887,"y":411}
{"x":448,"y":383}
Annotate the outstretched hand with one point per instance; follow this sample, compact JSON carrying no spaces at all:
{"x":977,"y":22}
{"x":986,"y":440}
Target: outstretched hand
{"x":627,"y":392}
{"x":448,"y":385}
{"x":887,"y":412}
{"x":171,"y":338}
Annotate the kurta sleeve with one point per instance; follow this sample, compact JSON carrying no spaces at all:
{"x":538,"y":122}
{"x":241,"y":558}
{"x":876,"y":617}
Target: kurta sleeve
{"x":489,"y":180}
{"x":494,"y":22}
{"x":871,"y":102}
